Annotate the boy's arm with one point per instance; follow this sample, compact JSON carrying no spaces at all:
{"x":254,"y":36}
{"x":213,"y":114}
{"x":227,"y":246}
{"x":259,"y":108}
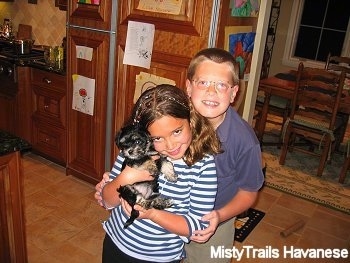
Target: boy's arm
{"x":242,"y":201}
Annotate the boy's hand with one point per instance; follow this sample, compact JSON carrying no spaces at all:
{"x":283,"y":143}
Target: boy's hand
{"x":201,"y":236}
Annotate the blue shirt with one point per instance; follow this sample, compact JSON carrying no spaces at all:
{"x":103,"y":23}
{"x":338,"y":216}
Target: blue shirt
{"x":239,"y":166}
{"x":193,"y":196}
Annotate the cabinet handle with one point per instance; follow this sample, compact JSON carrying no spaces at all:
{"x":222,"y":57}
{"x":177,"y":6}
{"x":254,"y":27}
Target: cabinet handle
{"x":47,"y":140}
{"x":47,"y":80}
{"x":46,"y":107}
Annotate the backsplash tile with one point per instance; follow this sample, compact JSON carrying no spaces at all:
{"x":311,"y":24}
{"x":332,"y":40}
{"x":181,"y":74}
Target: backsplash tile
{"x":47,"y":21}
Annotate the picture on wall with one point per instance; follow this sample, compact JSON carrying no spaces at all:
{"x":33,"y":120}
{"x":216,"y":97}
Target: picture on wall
{"x":245,"y":8}
{"x":239,"y":41}
{"x":89,"y":2}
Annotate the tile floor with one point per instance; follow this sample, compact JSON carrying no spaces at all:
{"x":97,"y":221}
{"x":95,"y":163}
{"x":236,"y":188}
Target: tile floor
{"x":63,"y":219}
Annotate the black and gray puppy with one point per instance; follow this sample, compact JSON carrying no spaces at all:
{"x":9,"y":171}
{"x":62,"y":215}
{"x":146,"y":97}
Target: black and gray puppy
{"x":137,"y":148}
{"x":145,"y":194}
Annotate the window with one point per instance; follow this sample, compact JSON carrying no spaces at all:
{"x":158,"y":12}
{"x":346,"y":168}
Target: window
{"x":316,"y":28}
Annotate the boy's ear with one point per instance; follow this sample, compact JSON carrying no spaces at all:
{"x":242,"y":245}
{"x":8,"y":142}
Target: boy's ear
{"x":234,"y":93}
{"x":188,"y":87}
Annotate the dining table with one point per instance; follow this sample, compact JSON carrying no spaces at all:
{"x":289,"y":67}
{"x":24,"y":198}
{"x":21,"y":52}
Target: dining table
{"x":283,"y":85}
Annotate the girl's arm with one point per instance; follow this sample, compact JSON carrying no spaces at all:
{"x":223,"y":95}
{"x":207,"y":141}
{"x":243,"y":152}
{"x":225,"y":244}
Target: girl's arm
{"x":202,"y":198}
{"x":174,"y":223}
{"x":108,"y":192}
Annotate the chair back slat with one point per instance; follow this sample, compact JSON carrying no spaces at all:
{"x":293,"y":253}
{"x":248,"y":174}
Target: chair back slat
{"x":317,"y":95}
{"x":338,"y":64}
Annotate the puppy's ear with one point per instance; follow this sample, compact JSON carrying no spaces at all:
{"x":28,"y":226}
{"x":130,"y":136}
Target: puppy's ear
{"x":118,"y":137}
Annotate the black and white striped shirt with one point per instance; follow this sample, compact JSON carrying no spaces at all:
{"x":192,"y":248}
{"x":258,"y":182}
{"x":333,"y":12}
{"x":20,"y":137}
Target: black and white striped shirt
{"x":193,"y":196}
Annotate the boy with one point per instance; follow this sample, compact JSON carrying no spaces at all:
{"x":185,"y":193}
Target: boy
{"x":212,"y":84}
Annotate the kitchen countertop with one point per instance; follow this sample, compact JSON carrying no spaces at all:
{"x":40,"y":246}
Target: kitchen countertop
{"x":35,"y":59}
{"x":41,"y":64}
{"x":11,"y":143}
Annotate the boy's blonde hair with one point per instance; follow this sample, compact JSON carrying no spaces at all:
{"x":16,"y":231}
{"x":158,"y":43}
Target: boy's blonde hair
{"x":216,"y":55}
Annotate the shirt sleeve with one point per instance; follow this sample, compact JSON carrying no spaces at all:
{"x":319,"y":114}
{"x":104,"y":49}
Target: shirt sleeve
{"x":202,"y":196}
{"x":117,"y":167}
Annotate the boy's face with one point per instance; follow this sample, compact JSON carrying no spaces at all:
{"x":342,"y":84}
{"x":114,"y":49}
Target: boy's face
{"x":211,"y":102}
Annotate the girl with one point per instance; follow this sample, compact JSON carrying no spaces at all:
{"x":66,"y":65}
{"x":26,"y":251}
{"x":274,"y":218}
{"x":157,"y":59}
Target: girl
{"x":188,"y":140}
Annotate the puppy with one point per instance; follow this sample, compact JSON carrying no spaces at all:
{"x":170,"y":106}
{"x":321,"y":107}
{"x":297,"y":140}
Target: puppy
{"x":145,"y":194}
{"x":137,"y":148}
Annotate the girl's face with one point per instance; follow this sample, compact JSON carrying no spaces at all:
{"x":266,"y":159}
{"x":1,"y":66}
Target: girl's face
{"x":210,"y":102}
{"x":171,"y":136}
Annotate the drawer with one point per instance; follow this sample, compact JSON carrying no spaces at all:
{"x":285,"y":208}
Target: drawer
{"x":50,"y":105}
{"x":48,"y":79}
{"x":50,"y":141}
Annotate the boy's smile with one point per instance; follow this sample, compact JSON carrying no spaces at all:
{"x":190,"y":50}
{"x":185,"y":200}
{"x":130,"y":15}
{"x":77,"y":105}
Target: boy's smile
{"x":208,"y":102}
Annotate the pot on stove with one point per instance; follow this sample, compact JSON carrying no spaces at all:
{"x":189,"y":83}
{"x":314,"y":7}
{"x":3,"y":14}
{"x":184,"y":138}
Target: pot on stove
{"x":23,"y":46}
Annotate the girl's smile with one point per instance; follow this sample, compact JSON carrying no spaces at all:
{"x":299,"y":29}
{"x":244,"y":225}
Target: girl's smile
{"x":171,"y":136}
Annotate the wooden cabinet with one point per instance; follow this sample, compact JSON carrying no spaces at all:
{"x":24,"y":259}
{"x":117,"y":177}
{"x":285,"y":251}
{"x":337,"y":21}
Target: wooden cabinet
{"x":12,"y":223}
{"x":62,"y":4}
{"x":49,"y":118}
{"x":23,"y":105}
{"x":87,"y":139}
{"x":7,"y":108}
{"x":91,"y":16}
{"x":15,"y":105}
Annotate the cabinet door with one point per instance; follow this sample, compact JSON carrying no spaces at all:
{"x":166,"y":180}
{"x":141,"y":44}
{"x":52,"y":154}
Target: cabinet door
{"x":23,"y":105}
{"x":7,"y":107}
{"x":12,"y":224}
{"x":62,"y":4}
{"x":49,"y":141}
{"x":86,"y":142}
{"x":49,"y":97}
{"x":91,"y":16}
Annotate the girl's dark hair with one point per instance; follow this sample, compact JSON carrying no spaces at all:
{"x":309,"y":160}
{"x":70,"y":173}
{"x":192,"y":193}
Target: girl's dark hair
{"x":168,"y":100}
{"x":216,"y":55}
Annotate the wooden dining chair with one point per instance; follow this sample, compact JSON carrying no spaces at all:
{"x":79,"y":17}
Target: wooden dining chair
{"x":313,"y":115}
{"x":340,"y":64}
{"x":346,"y":164}
{"x":278,"y":112}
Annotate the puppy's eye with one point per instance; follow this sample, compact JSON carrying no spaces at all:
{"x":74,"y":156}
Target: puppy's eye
{"x":137,"y":142}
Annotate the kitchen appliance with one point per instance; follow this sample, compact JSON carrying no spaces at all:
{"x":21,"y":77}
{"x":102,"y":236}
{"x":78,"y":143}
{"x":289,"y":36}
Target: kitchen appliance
{"x":23,"y":46}
{"x":9,"y":61}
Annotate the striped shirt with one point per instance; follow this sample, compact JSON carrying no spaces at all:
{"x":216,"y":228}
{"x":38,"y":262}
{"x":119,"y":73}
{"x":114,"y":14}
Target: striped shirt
{"x":193,"y":196}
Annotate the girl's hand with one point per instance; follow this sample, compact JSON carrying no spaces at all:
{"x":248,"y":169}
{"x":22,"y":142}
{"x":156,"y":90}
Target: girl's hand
{"x":99,"y":187}
{"x":201,"y":236}
{"x":143,"y":213}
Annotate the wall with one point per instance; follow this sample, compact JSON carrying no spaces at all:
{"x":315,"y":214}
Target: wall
{"x":47,"y":21}
{"x":280,"y":40}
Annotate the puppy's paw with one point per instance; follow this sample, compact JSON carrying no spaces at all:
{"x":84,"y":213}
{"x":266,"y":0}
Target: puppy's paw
{"x":168,"y":170}
{"x":161,"y":203}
